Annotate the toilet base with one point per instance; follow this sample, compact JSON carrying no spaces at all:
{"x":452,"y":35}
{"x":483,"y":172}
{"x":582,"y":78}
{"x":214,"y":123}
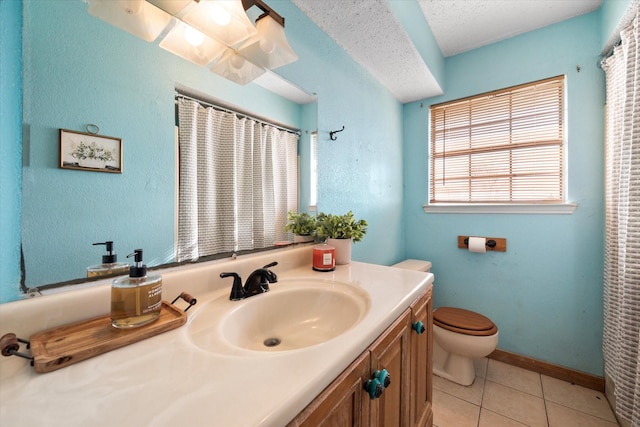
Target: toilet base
{"x":458,"y":369}
{"x":454,"y":353}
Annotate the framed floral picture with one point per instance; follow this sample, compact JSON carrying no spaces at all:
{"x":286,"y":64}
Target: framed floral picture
{"x":90,"y":152}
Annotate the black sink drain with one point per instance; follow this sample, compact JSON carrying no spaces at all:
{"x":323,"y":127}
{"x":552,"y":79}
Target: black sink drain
{"x":272,"y":342}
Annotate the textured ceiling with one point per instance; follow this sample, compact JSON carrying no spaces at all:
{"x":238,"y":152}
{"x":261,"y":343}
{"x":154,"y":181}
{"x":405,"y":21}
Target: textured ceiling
{"x":369,"y":31}
{"x":462,"y":25}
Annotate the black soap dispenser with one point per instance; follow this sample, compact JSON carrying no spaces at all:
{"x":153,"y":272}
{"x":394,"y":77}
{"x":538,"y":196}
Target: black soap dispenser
{"x":110,"y":265}
{"x":136,"y":299}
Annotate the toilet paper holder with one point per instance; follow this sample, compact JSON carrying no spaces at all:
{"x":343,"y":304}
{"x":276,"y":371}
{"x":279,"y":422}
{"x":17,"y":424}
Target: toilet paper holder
{"x":490,"y":243}
{"x":498,"y":244}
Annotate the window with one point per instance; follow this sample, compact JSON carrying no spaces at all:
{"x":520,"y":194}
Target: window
{"x":501,"y":147}
{"x":313,"y":181}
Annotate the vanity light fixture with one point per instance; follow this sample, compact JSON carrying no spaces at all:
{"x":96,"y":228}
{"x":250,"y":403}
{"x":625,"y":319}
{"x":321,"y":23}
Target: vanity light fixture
{"x":137,"y":17}
{"x":188,"y":43}
{"x":237,"y":68}
{"x":223,"y":20}
{"x":216,"y":33}
{"x":269,"y":48}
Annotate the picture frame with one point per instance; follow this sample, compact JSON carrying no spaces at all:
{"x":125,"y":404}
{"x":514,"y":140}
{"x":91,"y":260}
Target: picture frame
{"x":90,"y":152}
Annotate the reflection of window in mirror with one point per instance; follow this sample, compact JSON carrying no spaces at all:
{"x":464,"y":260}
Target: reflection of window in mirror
{"x":176,"y":189}
{"x":238,"y":178}
{"x":313,"y":181}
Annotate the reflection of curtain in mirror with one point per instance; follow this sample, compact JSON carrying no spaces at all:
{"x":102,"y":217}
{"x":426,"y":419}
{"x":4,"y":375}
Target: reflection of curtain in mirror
{"x":238,"y":179}
{"x":621,"y":338}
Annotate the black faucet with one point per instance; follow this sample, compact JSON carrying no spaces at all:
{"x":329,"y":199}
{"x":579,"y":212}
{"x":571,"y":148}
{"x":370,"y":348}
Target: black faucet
{"x":257,"y":283}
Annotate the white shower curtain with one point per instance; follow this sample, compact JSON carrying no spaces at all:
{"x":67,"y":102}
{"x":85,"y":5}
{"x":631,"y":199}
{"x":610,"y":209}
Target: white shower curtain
{"x":238,"y":179}
{"x":621,"y":339}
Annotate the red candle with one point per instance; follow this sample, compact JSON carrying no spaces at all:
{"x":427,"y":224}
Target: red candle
{"x":324,"y":258}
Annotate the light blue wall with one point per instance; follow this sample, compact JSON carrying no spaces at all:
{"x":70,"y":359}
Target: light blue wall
{"x":545,"y":292}
{"x":10,"y":146}
{"x":611,"y":13}
{"x":362,"y":170}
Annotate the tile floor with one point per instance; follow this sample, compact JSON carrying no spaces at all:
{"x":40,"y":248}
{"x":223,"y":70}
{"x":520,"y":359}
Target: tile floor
{"x":503,"y":395}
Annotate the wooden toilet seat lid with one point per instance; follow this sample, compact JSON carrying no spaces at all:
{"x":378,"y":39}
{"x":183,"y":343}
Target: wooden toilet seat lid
{"x":464,"y":321}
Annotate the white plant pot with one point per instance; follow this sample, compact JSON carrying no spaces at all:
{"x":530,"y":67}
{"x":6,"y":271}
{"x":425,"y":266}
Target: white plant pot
{"x":302,"y":239}
{"x":92,"y":163}
{"x":343,"y":250}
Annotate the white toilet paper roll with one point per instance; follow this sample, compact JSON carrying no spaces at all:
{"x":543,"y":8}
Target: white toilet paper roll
{"x":477,"y":244}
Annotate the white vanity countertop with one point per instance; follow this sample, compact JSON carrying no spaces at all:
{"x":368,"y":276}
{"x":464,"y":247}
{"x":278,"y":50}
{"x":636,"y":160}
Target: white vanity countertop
{"x":166,"y":380}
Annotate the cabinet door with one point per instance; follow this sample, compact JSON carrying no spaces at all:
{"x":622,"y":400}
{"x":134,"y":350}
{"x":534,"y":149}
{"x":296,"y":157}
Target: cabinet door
{"x":421,"y":361}
{"x":391,"y":352}
{"x":344,"y":403}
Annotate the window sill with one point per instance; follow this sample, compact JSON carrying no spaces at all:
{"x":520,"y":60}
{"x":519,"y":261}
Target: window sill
{"x":528,"y":209}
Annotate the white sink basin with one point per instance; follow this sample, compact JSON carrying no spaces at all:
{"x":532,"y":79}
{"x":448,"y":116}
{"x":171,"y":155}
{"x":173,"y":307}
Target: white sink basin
{"x":294,"y":314}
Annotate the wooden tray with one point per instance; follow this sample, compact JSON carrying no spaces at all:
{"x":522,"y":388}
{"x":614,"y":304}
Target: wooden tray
{"x":56,"y":348}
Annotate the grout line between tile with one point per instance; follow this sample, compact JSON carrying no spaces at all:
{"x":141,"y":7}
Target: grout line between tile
{"x":546,"y":411}
{"x":545,"y":400}
{"x":512,"y":388}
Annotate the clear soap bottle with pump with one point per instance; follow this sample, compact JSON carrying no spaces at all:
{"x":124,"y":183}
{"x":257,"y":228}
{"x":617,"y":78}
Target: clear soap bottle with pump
{"x":110,"y":265}
{"x":135,"y":299}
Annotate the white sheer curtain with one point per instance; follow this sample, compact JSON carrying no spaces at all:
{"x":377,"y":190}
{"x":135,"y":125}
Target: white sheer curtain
{"x":238,"y":179}
{"x":621,"y":340}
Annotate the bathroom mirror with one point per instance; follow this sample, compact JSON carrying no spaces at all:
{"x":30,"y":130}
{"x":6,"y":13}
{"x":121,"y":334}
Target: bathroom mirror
{"x":82,"y":74}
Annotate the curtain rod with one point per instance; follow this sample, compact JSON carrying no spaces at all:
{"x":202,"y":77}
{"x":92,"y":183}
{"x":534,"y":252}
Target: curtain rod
{"x":610,"y":52}
{"x":238,"y":113}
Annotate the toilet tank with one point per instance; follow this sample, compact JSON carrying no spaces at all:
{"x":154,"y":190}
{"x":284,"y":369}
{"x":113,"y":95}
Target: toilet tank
{"x":414,"y":264}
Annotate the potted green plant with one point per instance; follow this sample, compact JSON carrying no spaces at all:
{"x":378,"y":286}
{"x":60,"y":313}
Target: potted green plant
{"x":302,"y":225}
{"x":341,"y":231}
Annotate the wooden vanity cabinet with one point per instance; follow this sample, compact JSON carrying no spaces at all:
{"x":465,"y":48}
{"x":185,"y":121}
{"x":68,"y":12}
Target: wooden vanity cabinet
{"x":391,"y":352}
{"x":343,"y":403}
{"x":422,"y":362}
{"x":406,"y":402}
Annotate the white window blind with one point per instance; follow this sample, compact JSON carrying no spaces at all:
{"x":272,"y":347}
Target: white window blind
{"x":504,"y":146}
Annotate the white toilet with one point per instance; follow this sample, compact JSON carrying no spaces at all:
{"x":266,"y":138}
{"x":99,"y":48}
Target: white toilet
{"x":459,"y":336}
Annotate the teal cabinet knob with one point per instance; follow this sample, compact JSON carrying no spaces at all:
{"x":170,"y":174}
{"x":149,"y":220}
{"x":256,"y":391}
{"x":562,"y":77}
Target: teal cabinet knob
{"x":384,"y":377}
{"x":374,"y":388}
{"x":418,"y":327}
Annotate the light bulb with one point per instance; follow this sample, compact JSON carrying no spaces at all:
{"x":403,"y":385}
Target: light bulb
{"x":236,"y":61}
{"x":193,"y":36}
{"x":267,"y":46}
{"x":219,"y":15}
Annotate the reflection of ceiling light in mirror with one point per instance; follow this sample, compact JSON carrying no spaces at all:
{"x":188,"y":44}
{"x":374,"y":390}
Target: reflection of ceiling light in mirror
{"x":207,"y":16}
{"x":193,"y":36}
{"x":236,"y":61}
{"x":219,"y":15}
{"x":205,"y":30}
{"x":233,"y":67}
{"x":204,"y":53}
{"x":137,"y":17}
{"x":269,"y":48}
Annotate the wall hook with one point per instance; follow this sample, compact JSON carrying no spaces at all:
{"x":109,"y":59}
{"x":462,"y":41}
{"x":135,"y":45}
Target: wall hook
{"x":333,"y":133}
